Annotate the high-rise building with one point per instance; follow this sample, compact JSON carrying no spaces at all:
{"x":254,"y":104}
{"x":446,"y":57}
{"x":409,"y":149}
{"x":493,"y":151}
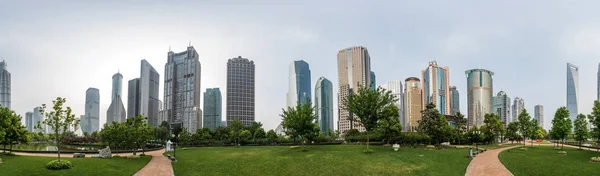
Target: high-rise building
{"x":413,"y":103}
{"x":299,"y":90}
{"x":396,"y":88}
{"x":324,"y":105}
{"x":91,"y":122}
{"x":572,"y":90}
{"x":4,"y":86}
{"x":182,"y":89}
{"x":479,"y":95}
{"x":501,"y":107}
{"x":454,"y":100}
{"x":148,"y":97}
{"x":240,"y":90}
{"x":517,"y":108}
{"x":116,"y":111}
{"x":38,"y":118}
{"x":539,"y":115}
{"x":133,"y":101}
{"x":598,"y":84}
{"x":29,"y":121}
{"x":373,"y":81}
{"x":436,"y":87}
{"x":354,"y":71}
{"x":212,"y":108}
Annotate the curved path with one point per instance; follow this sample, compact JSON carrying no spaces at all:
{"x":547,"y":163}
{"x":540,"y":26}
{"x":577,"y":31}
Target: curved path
{"x":159,"y":165}
{"x":487,"y":163}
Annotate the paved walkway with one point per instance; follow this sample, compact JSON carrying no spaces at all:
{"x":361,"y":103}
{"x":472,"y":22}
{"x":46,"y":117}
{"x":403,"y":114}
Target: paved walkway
{"x":487,"y":163}
{"x":159,"y":165}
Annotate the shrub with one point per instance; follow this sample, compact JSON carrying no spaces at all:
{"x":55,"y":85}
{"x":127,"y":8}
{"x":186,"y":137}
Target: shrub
{"x":8,"y":154}
{"x":142,"y":155}
{"x":430,"y":147}
{"x":595,"y":159}
{"x":56,"y":165}
{"x":460,"y":147}
{"x":116,"y":156}
{"x":133,"y":157}
{"x":368,"y":151}
{"x":562,"y":152}
{"x":294,"y":147}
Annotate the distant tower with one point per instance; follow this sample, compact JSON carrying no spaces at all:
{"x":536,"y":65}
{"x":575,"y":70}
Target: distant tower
{"x":299,"y":83}
{"x":182,"y":89}
{"x":413,"y":103}
{"x":373,"y":81}
{"x":324,"y":105}
{"x":397,"y":90}
{"x":354,"y":70}
{"x":539,"y":115}
{"x":29,"y":121}
{"x":517,"y":108}
{"x":91,"y":122}
{"x":479,"y":95}
{"x":240,"y":90}
{"x":454,"y":100}
{"x":598,"y":83}
{"x":212,"y":108}
{"x":4,"y":86}
{"x":436,"y":87}
{"x":572,"y":90}
{"x":501,"y":107}
{"x":116,"y":110}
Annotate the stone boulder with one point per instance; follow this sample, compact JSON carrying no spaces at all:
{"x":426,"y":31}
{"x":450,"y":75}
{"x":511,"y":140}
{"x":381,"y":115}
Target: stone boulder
{"x":78,"y":155}
{"x":105,"y":153}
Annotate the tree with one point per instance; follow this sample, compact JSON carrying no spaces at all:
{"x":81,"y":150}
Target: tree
{"x":236,"y":128}
{"x":222,"y":133}
{"x":139,"y":130}
{"x":254,"y":126}
{"x":460,"y":126}
{"x":369,"y":106}
{"x":245,"y":135}
{"x":11,"y":129}
{"x":272,"y":136}
{"x":595,"y":121}
{"x":299,"y":121}
{"x":581,"y":130}
{"x":532,"y":133}
{"x":524,"y":125}
{"x":59,"y":120}
{"x":389,"y":126}
{"x":561,"y":124}
{"x":493,"y":127}
{"x":434,"y":124}
{"x":259,"y":134}
{"x":176,"y":133}
{"x":511,"y":131}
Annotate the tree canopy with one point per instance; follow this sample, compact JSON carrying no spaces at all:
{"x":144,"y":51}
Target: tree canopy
{"x":59,"y":120}
{"x":434,"y":124}
{"x":299,"y":121}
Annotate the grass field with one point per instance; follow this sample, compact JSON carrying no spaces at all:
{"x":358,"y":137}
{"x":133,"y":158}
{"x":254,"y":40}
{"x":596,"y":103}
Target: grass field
{"x":30,"y":165}
{"x":544,"y":160}
{"x":319,"y":160}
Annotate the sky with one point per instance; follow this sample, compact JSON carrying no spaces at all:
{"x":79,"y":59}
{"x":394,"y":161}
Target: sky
{"x":61,"y":48}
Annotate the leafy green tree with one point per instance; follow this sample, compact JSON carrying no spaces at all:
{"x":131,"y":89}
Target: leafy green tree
{"x":460,"y":126}
{"x":59,"y":120}
{"x":524,"y":125}
{"x":253,"y":127}
{"x":512,"y":131}
{"x":595,"y":121}
{"x":369,"y":106}
{"x":11,"y":128}
{"x":176,"y":132}
{"x":300,"y":121}
{"x":532,"y":133}
{"x":236,"y":128}
{"x":245,"y":135}
{"x":493,"y":127}
{"x":475,"y":135}
{"x":581,"y":130}
{"x":390,"y":127}
{"x":140,"y":131}
{"x":222,"y":133}
{"x":272,"y":136}
{"x":185,"y":138}
{"x":561,"y":124}
{"x":260,"y":134}
{"x":434,"y":124}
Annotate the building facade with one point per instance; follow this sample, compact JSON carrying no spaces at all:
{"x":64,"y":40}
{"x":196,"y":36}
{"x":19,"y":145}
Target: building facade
{"x":396,"y":88}
{"x":436,"y":87}
{"x":5,"y":91}
{"x":240,"y":90}
{"x":91,"y":122}
{"x":148,"y":97}
{"x":413,"y":103}
{"x":38,"y":118}
{"x":572,"y":90}
{"x":354,"y":71}
{"x":539,"y":115}
{"x":501,"y":107}
{"x":133,"y":101}
{"x":454,"y":100}
{"x":299,"y":90}
{"x":116,"y":111}
{"x":517,"y":108}
{"x":29,"y":121}
{"x":598,"y":84}
{"x":182,"y":89}
{"x":479,"y":95}
{"x":324,"y":105}
{"x":212,"y":108}
{"x":373,"y":81}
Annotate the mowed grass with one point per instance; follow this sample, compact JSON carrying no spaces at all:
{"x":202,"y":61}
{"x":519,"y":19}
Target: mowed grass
{"x":319,"y":160}
{"x":544,"y":160}
{"x":33,"y":165}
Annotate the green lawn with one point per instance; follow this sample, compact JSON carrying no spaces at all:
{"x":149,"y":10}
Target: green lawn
{"x":29,"y":165}
{"x":319,"y":160}
{"x":544,"y":160}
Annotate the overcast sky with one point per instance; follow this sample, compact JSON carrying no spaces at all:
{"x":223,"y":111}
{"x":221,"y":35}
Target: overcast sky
{"x":61,"y":48}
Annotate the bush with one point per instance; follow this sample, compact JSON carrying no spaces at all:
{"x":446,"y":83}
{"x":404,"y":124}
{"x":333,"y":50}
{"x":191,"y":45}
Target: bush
{"x":368,"y":151}
{"x":562,"y":152}
{"x":8,"y":154}
{"x":595,"y":159}
{"x":460,"y":147}
{"x":133,"y":157}
{"x":141,"y":155}
{"x":56,"y":165}
{"x":116,"y":156}
{"x":430,"y":147}
{"x":294,"y":147}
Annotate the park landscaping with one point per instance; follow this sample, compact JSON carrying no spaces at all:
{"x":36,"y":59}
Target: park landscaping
{"x":544,"y":160}
{"x":31,"y":165}
{"x":319,"y":160}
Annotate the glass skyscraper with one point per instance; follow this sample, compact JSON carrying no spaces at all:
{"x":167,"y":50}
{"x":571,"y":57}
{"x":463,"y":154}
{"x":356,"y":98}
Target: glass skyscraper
{"x":182,"y":90}
{"x":396,"y":88}
{"x":436,"y":87}
{"x":413,"y":103}
{"x":240,"y":90}
{"x":91,"y":122}
{"x":373,"y":81}
{"x":502,"y":107}
{"x":299,"y":90}
{"x":4,"y":86}
{"x":454,"y":100}
{"x":116,"y":110}
{"x":354,"y":70}
{"x":479,"y":95}
{"x":539,"y":115}
{"x":212,"y":108}
{"x":517,"y":108}
{"x":572,"y":90}
{"x":324,"y":105}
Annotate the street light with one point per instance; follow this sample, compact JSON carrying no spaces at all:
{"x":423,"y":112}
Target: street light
{"x":174,"y":144}
{"x":477,"y":134}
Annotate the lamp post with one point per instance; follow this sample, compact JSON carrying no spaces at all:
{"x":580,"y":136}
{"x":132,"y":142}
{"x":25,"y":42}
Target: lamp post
{"x":477,"y":134}
{"x":174,"y":144}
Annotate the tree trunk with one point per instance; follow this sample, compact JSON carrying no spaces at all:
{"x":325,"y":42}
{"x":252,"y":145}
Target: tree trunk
{"x":366,"y":132}
{"x":58,"y":150}
{"x":580,"y":144}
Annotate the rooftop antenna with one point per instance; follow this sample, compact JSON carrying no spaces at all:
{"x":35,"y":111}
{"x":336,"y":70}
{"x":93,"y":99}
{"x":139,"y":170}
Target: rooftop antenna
{"x":169,"y":48}
{"x":190,"y":44}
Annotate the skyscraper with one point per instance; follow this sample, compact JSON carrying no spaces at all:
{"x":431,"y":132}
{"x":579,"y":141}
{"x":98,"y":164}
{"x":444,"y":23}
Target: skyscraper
{"x":240,"y":90}
{"x":501,"y":107}
{"x":91,"y":122}
{"x":324,"y":105}
{"x":182,"y":89}
{"x":299,"y":90}
{"x":38,"y":118}
{"x":29,"y":121}
{"x":598,"y":84}
{"x":212,"y":108}
{"x":454,"y":100}
{"x":517,"y":108}
{"x":396,"y":88}
{"x":572,"y":90}
{"x":4,"y":86}
{"x":133,"y":101}
{"x":413,"y":103}
{"x":373,"y":81}
{"x":148,"y":97}
{"x":539,"y":115}
{"x":436,"y":87}
{"x":116,"y":111}
{"x":479,"y":95}
{"x":354,"y":70}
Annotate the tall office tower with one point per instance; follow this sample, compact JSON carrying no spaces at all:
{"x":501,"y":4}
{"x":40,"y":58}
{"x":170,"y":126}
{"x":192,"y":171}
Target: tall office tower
{"x":116,"y":110}
{"x":324,"y":105}
{"x":501,"y":107}
{"x":182,"y":89}
{"x":299,"y":90}
{"x":240,"y":90}
{"x":354,"y":71}
{"x":4,"y":86}
{"x":517,"y":108}
{"x":396,"y":88}
{"x":572,"y":90}
{"x":38,"y":118}
{"x":148,"y":97}
{"x":413,"y":103}
{"x":454,"y":100}
{"x":133,"y":102}
{"x":598,"y":84}
{"x":436,"y":87}
{"x":373,"y":81}
{"x":479,"y":95}
{"x":91,"y":122}
{"x":539,"y":115}
{"x":29,"y":122}
{"x":212,"y":108}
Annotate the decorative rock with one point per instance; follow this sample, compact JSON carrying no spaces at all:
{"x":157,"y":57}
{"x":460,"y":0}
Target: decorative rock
{"x":78,"y":155}
{"x":105,"y":153}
